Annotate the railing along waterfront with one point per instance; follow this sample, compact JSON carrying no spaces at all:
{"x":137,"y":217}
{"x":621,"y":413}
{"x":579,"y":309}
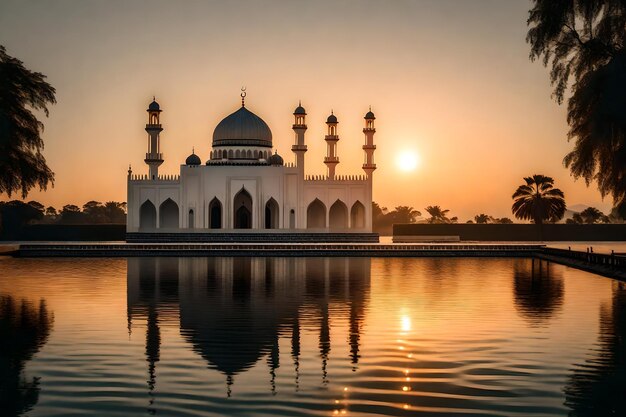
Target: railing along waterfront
{"x":271,"y":249}
{"x":613,"y":260}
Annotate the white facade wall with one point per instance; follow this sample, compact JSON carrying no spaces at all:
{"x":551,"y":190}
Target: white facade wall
{"x":197,"y":186}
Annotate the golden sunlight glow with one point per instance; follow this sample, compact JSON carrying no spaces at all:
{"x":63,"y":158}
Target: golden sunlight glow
{"x":405,"y":323}
{"x":407,"y":161}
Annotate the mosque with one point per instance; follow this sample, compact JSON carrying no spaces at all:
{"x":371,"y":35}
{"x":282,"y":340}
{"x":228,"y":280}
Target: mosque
{"x":244,"y":185}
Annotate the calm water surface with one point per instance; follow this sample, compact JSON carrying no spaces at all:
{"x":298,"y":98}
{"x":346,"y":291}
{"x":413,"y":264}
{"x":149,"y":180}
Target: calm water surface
{"x":309,"y":337}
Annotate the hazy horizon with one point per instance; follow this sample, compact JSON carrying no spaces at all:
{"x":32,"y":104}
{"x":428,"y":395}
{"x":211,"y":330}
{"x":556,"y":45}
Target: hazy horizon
{"x":448,"y":80}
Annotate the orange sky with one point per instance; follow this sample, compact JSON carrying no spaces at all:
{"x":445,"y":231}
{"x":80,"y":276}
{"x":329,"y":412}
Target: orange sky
{"x":449,"y":80}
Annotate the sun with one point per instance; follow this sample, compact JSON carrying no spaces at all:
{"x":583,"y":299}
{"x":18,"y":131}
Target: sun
{"x":407,"y":161}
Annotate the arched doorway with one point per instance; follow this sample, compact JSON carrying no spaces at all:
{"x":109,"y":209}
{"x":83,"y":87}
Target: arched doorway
{"x":338,"y":216}
{"x":147,"y":216}
{"x":242,"y":206}
{"x":271,"y":214}
{"x":316,"y":215}
{"x":215,"y":214}
{"x":168,"y":215}
{"x":357,"y":216}
{"x":191,"y":223}
{"x":292,"y":219}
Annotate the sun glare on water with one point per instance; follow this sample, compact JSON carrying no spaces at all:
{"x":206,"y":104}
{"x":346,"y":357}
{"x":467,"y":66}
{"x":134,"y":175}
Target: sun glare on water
{"x":407,"y":161}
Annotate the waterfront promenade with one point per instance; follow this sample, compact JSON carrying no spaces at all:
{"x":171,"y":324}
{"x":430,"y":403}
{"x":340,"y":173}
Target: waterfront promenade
{"x":610,"y":265}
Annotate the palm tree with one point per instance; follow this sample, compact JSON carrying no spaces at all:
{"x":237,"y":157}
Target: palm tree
{"x":437,"y":215}
{"x":592,"y":215}
{"x":483,"y":218}
{"x":404,"y":214}
{"x":538,"y":201}
{"x":22,"y":166}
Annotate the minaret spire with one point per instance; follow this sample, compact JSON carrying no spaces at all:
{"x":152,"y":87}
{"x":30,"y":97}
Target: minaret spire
{"x":331,"y":160}
{"x":299,"y":127}
{"x":369,"y":166}
{"x":154,"y":157}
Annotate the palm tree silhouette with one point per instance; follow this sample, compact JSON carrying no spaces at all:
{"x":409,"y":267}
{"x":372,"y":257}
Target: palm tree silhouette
{"x":438,"y":215}
{"x":538,"y":201}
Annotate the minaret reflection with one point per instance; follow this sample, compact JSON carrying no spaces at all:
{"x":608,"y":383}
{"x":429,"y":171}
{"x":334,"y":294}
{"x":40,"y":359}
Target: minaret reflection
{"x":152,"y":293}
{"x":295,"y":350}
{"x":233,"y":311}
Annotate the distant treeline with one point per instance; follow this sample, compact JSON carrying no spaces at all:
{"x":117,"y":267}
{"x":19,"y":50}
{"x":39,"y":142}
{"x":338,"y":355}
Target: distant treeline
{"x":15,"y":215}
{"x":384,"y":219}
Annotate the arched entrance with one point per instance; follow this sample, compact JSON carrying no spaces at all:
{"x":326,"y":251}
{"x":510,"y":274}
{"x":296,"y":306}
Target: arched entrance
{"x":316,"y":215}
{"x":147,"y":216}
{"x":191,"y":223}
{"x":292,"y":219}
{"x":338,"y":215}
{"x":271,"y":214}
{"x":215,"y":214}
{"x":242,"y":206}
{"x":168,"y":215}
{"x":357,"y":216}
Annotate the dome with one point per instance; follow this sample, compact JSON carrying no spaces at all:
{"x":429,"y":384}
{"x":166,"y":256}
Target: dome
{"x":275,"y":159}
{"x":299,"y":110}
{"x":331,"y":119}
{"x":242,"y":128}
{"x":193,"y":159}
{"x":369,"y":115}
{"x":154,"y":106}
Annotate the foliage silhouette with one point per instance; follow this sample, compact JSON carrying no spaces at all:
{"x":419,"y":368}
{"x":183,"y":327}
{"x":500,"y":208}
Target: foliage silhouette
{"x":439,"y":215}
{"x":590,"y":215}
{"x":383,"y":220}
{"x":24,"y":329}
{"x":22,"y":165}
{"x":583,"y":43}
{"x":596,"y":387}
{"x":537,"y":290}
{"x":538,"y":201}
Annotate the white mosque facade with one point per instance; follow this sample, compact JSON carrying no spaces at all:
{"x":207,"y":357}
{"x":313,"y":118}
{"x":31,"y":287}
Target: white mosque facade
{"x":244,"y":185}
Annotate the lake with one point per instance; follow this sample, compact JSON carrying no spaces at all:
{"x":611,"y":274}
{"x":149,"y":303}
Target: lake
{"x":309,"y":337}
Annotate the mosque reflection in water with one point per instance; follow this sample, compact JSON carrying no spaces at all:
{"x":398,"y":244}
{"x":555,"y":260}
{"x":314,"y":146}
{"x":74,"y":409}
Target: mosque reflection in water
{"x":232,"y":315}
{"x":233,"y":310}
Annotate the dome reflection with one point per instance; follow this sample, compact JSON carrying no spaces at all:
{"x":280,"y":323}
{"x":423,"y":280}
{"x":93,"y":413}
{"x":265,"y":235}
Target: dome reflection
{"x":232,"y":311}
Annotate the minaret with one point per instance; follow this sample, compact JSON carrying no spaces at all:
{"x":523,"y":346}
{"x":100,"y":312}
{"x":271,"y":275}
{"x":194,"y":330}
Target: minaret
{"x":154,"y":157}
{"x":299,"y":126}
{"x":369,"y":166}
{"x":331,"y":160}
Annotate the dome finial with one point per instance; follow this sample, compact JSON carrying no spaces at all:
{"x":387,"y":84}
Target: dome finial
{"x":193,"y":150}
{"x":300,"y":103}
{"x":243,"y":96}
{"x":153,"y":98}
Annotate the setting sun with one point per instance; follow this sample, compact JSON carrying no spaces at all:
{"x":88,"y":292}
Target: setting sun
{"x":407,"y":161}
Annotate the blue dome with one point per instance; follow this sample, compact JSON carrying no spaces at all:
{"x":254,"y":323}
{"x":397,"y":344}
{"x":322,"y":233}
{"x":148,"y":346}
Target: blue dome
{"x":331,"y":119}
{"x":193,"y":159}
{"x":242,"y":128}
{"x":154,"y":106}
{"x":299,"y":110}
{"x":369,"y":116}
{"x":275,"y":159}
